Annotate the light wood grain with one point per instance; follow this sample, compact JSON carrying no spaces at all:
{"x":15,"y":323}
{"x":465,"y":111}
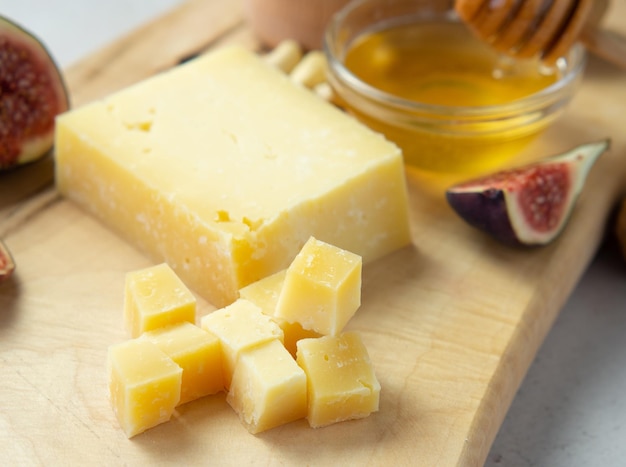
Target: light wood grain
{"x":452,"y":322}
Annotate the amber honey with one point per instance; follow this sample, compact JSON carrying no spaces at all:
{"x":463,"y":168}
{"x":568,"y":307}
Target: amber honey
{"x":450,"y":101}
{"x":442,"y":64}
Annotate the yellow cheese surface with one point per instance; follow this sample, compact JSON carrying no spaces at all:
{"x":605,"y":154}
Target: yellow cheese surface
{"x":268,"y":388}
{"x":322,"y":288}
{"x":156,"y":297}
{"x":197,"y":352}
{"x":239,"y":326}
{"x":340,"y":379}
{"x":223,"y":168}
{"x":264,"y":294}
{"x":144,"y":385}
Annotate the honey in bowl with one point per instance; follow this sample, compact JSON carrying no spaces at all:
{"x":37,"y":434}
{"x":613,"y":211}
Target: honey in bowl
{"x":442,"y":64}
{"x":421,"y":78}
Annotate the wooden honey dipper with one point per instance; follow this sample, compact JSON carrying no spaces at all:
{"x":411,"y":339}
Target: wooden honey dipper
{"x":545,"y":28}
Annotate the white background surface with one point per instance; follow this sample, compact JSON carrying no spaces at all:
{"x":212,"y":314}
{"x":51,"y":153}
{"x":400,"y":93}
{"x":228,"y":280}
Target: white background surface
{"x":571,"y":408}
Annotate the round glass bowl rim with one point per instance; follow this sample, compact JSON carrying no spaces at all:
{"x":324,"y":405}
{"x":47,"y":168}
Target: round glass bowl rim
{"x":540,"y":99}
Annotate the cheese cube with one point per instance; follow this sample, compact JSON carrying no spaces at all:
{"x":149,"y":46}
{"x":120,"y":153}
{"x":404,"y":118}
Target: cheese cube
{"x":268,"y":388}
{"x":197,"y":352}
{"x":264,"y":294}
{"x":293,"y":332}
{"x":340,"y":379}
{"x":144,"y":385}
{"x":156,"y":297}
{"x":322,"y":288}
{"x":239,"y":326}
{"x":223,"y":168}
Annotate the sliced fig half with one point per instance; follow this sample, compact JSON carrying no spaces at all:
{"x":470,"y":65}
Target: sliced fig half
{"x":528,"y":205}
{"x":7,"y":265}
{"x":32,"y":94}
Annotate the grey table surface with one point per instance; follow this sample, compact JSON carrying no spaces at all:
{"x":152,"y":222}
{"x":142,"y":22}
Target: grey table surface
{"x":571,"y":407}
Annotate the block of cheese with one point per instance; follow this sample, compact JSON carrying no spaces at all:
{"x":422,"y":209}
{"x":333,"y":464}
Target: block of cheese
{"x":156,"y":297}
{"x":223,"y":168}
{"x":239,"y":326}
{"x":322,"y":288}
{"x":144,"y":385}
{"x":268,"y":388}
{"x":197,"y":352}
{"x":341,"y":383}
{"x":264,"y":293}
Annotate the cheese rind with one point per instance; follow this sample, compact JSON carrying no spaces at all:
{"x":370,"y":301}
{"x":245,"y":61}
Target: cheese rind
{"x":264,"y":293}
{"x":268,"y":388}
{"x":239,"y":326}
{"x":155,"y":297}
{"x":197,"y":352}
{"x":223,"y":168}
{"x":322,"y":288}
{"x":144,"y":385}
{"x":341,"y":382}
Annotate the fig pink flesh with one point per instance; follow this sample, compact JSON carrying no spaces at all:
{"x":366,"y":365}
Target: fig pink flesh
{"x":528,"y":205}
{"x":7,"y":265}
{"x":544,"y":195}
{"x":541,"y":191}
{"x":28,"y":96}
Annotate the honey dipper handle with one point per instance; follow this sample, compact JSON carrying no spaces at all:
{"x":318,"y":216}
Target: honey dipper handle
{"x":606,"y":44}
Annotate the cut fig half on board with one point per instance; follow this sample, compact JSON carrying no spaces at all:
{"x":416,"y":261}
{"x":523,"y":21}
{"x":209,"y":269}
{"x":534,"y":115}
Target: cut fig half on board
{"x":7,"y":265}
{"x":32,"y":95}
{"x":528,"y":205}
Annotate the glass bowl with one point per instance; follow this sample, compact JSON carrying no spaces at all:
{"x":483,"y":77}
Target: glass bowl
{"x":444,"y":138}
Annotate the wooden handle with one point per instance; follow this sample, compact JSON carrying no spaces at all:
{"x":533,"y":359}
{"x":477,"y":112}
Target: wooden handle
{"x":607,"y":45}
{"x":604,"y":43}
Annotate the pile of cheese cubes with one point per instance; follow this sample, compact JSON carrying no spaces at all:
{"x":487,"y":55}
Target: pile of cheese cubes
{"x":278,"y":351}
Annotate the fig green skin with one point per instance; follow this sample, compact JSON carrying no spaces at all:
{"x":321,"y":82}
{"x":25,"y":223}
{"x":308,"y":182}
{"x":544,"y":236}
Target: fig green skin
{"x":485,"y":210}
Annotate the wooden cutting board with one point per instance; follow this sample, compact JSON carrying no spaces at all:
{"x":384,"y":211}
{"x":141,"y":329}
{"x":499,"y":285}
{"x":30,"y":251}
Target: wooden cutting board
{"x":452,"y":322}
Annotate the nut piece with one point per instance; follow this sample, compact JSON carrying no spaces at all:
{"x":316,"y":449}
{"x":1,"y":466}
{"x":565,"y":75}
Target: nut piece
{"x":285,"y":56}
{"x":311,"y":70}
{"x":7,"y":265}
